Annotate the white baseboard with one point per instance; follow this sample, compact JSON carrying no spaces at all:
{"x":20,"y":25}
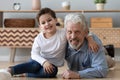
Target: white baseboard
{"x":117,"y":58}
{"x":17,"y":58}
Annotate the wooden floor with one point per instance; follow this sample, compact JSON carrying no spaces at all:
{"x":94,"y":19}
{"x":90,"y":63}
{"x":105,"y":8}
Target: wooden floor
{"x":112,"y":75}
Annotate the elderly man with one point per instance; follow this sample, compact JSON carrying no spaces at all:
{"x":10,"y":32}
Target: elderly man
{"x":82,"y":61}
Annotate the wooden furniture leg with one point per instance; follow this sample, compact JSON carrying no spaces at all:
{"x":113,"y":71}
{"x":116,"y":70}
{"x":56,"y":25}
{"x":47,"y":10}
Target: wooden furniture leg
{"x":1,"y":19}
{"x":12,"y":54}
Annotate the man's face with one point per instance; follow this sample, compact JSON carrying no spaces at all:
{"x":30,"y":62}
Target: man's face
{"x":75,"y":34}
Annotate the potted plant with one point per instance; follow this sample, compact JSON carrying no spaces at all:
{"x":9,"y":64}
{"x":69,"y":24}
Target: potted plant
{"x":100,"y":4}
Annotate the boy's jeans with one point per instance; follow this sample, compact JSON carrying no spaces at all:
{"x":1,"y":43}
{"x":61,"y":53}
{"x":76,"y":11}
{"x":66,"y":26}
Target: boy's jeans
{"x":33,"y":69}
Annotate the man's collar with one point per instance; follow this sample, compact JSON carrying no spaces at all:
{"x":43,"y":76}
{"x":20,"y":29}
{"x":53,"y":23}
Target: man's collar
{"x":83,"y":48}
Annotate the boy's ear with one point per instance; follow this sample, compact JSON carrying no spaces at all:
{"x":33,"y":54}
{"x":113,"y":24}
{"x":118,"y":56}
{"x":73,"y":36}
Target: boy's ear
{"x":39,"y":26}
{"x":56,"y":20}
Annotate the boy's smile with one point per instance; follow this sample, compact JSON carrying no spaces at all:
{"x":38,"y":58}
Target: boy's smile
{"x":47,"y":24}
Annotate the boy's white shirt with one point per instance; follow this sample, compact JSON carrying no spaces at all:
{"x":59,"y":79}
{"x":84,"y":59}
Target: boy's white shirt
{"x":52,"y":49}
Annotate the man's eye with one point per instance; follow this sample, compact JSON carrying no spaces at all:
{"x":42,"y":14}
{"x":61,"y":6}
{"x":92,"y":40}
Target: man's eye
{"x":78,"y":32}
{"x":69,"y":32}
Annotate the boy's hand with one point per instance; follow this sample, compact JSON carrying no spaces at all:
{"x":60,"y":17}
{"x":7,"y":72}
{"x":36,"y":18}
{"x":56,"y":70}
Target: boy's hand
{"x":92,"y":44}
{"x":48,"y":67}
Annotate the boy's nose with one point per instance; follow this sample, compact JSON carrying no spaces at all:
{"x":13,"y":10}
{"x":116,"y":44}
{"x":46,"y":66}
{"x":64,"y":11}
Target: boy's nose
{"x":46,"y":23}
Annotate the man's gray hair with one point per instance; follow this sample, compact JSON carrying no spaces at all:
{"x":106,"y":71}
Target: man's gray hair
{"x":76,"y":18}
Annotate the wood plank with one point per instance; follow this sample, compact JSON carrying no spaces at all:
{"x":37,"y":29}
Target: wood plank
{"x":101,"y":19}
{"x":60,"y":11}
{"x":101,"y":25}
{"x":101,"y":22}
{"x":12,"y":55}
{"x":112,"y":74}
{"x":1,"y":19}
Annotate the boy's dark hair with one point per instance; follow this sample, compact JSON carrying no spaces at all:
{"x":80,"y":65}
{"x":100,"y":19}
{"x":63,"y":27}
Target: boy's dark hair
{"x":45,"y":11}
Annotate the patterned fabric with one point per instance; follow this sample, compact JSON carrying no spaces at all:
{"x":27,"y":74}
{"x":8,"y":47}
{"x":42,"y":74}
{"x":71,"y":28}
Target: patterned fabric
{"x":18,"y":37}
{"x":23,"y":37}
{"x":108,"y":35}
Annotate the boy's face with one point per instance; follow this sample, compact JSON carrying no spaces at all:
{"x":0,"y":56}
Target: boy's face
{"x":47,"y":23}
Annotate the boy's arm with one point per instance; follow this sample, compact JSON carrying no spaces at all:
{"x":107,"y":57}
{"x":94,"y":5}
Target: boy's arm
{"x":91,"y":43}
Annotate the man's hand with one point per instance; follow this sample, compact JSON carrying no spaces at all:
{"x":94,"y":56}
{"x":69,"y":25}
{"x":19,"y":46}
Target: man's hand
{"x":48,"y":67}
{"x":67,"y":74}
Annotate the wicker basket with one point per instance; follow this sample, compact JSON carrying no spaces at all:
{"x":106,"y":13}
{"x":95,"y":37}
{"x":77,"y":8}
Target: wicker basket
{"x":19,"y":23}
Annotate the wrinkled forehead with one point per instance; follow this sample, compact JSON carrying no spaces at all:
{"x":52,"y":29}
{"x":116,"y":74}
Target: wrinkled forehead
{"x":74,"y":26}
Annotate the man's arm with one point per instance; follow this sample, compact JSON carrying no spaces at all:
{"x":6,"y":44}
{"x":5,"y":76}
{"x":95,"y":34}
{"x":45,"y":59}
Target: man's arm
{"x":98,"y":67}
{"x":98,"y":64}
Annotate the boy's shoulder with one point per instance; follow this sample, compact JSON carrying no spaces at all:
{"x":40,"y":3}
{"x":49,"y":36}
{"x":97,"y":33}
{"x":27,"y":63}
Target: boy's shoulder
{"x":39,"y":35}
{"x":61,"y":30}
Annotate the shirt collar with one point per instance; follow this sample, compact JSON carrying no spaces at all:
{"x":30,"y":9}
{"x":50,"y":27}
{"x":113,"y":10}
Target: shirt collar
{"x":83,"y":48}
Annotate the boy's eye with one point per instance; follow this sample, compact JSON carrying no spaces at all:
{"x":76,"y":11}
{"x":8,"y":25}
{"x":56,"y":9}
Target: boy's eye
{"x":49,"y":20}
{"x":43,"y":22}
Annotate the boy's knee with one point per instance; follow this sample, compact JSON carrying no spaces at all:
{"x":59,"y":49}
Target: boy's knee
{"x":35,"y":66}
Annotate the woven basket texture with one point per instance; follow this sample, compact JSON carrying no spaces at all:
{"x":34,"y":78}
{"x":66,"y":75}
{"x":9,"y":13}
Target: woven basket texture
{"x":19,"y":23}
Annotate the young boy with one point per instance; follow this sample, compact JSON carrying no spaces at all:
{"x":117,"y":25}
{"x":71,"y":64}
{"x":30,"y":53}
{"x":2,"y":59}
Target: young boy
{"x":48,"y":49}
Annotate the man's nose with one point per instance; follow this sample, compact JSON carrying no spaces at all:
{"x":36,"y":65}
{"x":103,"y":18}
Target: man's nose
{"x":73,"y":35}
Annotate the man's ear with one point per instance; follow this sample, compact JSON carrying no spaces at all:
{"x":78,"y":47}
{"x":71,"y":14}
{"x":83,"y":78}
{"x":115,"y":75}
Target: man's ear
{"x":86,"y":32}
